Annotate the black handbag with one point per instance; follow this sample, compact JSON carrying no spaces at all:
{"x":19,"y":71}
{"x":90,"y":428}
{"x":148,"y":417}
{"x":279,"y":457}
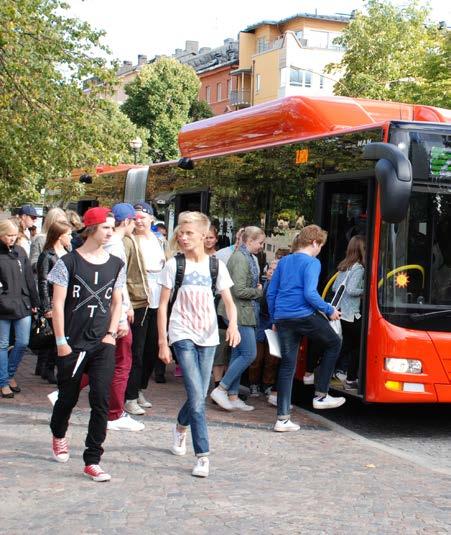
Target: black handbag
{"x":41,"y":334}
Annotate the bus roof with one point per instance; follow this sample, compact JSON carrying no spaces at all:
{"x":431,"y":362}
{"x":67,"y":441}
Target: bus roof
{"x":295,"y":118}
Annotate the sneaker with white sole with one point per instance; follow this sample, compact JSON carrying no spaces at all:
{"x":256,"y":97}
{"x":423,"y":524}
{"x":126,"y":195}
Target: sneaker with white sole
{"x":222,"y":399}
{"x":272,"y":400}
{"x":240,"y":405}
{"x":96,"y":473}
{"x":179,"y":442}
{"x":351,"y":385}
{"x":142,"y":401}
{"x":327,"y":402}
{"x":254,"y":391}
{"x":308,"y":379}
{"x":202,"y":467}
{"x":284,"y":426}
{"x":132,"y":407}
{"x":341,"y":376}
{"x":125,"y":423}
{"x":60,"y":449}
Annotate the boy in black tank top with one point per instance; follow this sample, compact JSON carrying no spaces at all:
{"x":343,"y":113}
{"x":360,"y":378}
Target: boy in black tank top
{"x":87,"y":300}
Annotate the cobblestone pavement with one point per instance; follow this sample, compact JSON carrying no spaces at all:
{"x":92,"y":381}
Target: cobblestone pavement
{"x":317,"y":481}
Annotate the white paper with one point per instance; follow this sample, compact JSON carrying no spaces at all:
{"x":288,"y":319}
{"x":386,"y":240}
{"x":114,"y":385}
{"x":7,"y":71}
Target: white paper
{"x":273,"y":342}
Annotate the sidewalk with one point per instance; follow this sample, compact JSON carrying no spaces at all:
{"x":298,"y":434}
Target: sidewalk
{"x":317,"y":481}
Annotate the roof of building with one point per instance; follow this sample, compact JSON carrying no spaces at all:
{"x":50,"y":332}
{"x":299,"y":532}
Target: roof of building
{"x":223,"y":55}
{"x":333,"y":18}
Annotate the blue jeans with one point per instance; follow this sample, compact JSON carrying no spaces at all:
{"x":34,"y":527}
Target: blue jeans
{"x":243,"y":355}
{"x":9,"y":364}
{"x":196,"y":363}
{"x":291,"y":331}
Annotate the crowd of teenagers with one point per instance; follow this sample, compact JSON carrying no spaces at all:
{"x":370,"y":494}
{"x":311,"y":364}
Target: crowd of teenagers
{"x":123,"y":302}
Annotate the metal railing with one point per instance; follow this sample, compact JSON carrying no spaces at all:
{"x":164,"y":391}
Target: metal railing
{"x":240,"y":98}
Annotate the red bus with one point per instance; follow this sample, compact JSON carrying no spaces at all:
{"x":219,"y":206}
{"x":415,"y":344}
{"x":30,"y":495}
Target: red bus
{"x":381,"y":169}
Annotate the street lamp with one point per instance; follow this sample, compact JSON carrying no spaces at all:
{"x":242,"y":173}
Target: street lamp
{"x":135,"y":145}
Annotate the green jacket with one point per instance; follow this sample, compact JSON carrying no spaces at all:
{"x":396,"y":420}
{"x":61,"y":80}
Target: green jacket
{"x":136,"y":274}
{"x":242,"y":291}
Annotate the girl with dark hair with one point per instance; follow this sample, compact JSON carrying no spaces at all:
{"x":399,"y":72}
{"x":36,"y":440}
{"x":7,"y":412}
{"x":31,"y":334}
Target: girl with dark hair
{"x":351,"y":274}
{"x":57,"y":244}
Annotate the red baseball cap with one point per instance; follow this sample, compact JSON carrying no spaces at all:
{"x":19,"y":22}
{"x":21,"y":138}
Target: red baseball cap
{"x":96,"y":216}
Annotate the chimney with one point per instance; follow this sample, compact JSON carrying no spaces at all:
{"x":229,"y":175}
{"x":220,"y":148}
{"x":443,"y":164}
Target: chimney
{"x":126,"y":63}
{"x":142,"y":59}
{"x":192,"y":46}
{"x":178,"y":51}
{"x":204,"y":50}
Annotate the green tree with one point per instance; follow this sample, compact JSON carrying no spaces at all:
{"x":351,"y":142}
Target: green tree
{"x":200,"y":109}
{"x":159,"y":99}
{"x":394,"y":53}
{"x":48,"y":123}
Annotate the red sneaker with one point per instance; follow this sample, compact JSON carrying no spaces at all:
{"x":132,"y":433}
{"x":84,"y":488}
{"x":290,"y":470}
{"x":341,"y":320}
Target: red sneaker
{"x":96,"y":473}
{"x":60,"y":449}
{"x":178,"y":371}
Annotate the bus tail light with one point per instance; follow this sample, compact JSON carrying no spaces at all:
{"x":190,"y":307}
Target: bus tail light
{"x":397,"y":365}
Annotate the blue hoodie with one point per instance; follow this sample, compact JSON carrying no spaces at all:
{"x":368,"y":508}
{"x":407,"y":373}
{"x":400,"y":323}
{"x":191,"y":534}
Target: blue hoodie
{"x":292,"y":292}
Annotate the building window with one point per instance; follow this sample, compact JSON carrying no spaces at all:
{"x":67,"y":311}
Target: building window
{"x":262,"y":44}
{"x":258,"y":82}
{"x":319,"y":39}
{"x":218,"y":92}
{"x":321,"y":82}
{"x":208,"y":94}
{"x":229,"y":87}
{"x":300,"y":77}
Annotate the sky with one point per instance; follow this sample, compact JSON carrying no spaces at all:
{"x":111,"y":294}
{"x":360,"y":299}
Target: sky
{"x":159,"y":27}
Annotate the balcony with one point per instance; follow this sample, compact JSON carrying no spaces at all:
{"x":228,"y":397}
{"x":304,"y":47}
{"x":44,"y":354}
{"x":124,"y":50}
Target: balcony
{"x":241,"y":99}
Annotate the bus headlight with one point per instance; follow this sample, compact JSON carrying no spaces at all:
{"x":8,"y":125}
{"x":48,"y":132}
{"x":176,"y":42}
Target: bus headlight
{"x":397,"y":365}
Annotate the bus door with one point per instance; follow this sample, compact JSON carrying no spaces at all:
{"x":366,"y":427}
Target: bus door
{"x":344,"y":208}
{"x":192,"y":200}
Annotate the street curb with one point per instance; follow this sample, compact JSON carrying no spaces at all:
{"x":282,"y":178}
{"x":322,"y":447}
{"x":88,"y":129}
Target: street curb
{"x":415,"y":459}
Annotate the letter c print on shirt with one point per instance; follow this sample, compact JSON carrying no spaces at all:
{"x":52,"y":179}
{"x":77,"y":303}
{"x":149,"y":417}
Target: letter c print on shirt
{"x":94,"y":295}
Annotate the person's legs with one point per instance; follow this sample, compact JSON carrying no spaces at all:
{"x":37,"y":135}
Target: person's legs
{"x":270,"y":367}
{"x":157,"y":366}
{"x":242,"y":356}
{"x":290,"y":339}
{"x":123,"y":363}
{"x":22,"y":337}
{"x":100,"y":370}
{"x":68,"y":392}
{"x":5,"y":328}
{"x":196,"y":363}
{"x":139,"y":333}
{"x":351,"y":335}
{"x":255,"y":369}
{"x":150,"y":348}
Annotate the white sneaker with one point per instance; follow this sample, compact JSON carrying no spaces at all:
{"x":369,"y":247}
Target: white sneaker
{"x":328,"y":402}
{"x":308,"y":379}
{"x":142,"y":401}
{"x":202,"y":467}
{"x":179,"y":444}
{"x":222,"y":399}
{"x":283,"y":426}
{"x":239,"y":404}
{"x":125,"y":423}
{"x":53,"y":396}
{"x":132,"y":407}
{"x":254,"y":391}
{"x":341,"y":376}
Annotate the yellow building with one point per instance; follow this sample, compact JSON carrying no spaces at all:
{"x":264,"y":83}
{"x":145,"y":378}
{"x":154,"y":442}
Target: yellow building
{"x":287,"y":57}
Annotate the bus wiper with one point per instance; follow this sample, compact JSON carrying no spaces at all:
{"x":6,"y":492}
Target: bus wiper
{"x":418,"y":316}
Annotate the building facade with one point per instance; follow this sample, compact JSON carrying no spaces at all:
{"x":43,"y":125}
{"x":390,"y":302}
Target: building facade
{"x":287,"y":57}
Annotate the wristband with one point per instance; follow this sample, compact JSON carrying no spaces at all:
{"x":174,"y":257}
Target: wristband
{"x":61,"y":340}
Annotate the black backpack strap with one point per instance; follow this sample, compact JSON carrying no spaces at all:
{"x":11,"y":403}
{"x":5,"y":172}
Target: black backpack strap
{"x":214,"y":269}
{"x":180,"y":263}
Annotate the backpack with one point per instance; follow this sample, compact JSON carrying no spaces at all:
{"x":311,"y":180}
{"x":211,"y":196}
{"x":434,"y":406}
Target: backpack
{"x":180,"y":262}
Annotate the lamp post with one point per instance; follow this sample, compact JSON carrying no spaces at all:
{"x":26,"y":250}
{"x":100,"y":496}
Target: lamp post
{"x":135,"y":145}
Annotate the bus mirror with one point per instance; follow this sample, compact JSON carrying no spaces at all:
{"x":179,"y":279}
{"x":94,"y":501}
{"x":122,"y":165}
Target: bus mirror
{"x":186,"y":163}
{"x":394,"y":174}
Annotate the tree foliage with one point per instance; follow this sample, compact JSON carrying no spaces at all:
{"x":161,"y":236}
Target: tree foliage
{"x":48,"y":124}
{"x":159,"y":99}
{"x":200,"y":109}
{"x":395,"y":53}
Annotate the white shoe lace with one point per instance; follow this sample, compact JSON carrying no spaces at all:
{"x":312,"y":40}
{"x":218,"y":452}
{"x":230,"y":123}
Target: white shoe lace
{"x":61,"y":446}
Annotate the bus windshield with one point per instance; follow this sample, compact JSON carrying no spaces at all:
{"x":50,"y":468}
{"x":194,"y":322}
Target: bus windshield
{"x":414,"y":279}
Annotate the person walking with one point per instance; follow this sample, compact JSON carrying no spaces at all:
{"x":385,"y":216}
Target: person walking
{"x":118,"y":419}
{"x":87,"y":302}
{"x":246,"y":290}
{"x":351,"y":273}
{"x":56,"y":245}
{"x":193,"y":330}
{"x":18,"y":299}
{"x":26,"y":218}
{"x":37,"y":244}
{"x":295,"y":308}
